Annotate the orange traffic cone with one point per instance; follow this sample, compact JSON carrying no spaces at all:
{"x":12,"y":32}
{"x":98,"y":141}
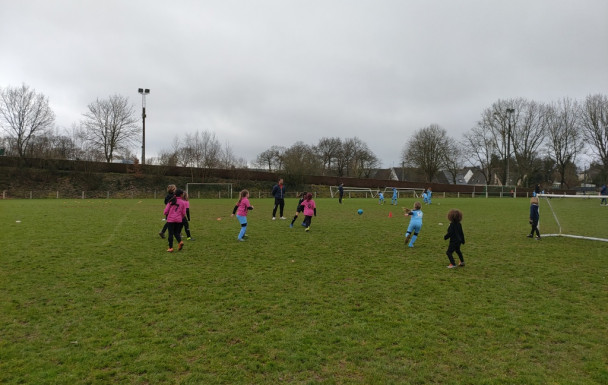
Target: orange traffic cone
{"x":390,"y":214}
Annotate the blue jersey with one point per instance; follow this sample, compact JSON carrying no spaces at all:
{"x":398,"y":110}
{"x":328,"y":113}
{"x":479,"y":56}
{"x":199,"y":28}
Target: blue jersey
{"x":394,"y":193}
{"x":415,"y":221}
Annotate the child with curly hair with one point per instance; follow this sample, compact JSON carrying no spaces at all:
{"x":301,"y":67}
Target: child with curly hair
{"x":456,"y":237}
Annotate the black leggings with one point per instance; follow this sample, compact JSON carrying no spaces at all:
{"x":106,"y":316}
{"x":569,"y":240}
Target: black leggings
{"x":175,"y":230}
{"x":454,"y":248}
{"x":535,"y":229}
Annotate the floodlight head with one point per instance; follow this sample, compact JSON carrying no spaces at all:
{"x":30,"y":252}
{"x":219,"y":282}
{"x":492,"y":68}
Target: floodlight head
{"x":147,"y":90}
{"x":140,"y":90}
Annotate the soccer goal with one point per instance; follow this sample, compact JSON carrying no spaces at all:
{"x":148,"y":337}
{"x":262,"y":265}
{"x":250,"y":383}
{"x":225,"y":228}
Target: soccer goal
{"x":405,"y":191}
{"x":354,"y":192}
{"x":209,"y":190}
{"x":574,"y":216}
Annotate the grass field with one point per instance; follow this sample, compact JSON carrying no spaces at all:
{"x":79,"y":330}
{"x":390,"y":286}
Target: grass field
{"x":90,"y":296}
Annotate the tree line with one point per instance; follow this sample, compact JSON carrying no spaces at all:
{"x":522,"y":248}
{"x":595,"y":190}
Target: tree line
{"x":515,"y":142}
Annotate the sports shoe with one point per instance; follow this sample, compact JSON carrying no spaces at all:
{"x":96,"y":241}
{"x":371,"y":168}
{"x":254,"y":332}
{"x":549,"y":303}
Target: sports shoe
{"x":308,"y":228}
{"x":283,"y":218}
{"x":190,"y":239}
{"x":162,"y":235}
{"x":530,"y":236}
{"x":240,"y":239}
{"x":461,"y":264}
{"x":538,"y":238}
{"x":170,"y":249}
{"x":450,"y":266}
{"x":274,"y":218}
{"x":180,"y":245}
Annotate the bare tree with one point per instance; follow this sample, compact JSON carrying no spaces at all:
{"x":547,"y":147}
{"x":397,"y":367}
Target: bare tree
{"x":271,"y":158}
{"x":328,"y":150}
{"x":565,"y":139}
{"x":527,"y":135}
{"x":594,"y":122}
{"x":301,"y":159}
{"x":479,"y":149}
{"x":24,"y":114}
{"x":454,"y":158}
{"x":111,"y":125}
{"x":427,"y":150}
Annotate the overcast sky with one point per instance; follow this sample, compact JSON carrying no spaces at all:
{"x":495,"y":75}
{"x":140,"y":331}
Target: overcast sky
{"x":258,"y":73}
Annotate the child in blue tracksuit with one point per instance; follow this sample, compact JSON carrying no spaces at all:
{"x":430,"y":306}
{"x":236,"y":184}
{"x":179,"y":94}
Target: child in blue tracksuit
{"x":534,"y":217}
{"x":394,"y":199}
{"x":380,"y":198}
{"x":415,"y":224}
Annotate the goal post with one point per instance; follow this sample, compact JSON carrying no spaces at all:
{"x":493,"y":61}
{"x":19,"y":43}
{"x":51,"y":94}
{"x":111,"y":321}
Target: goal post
{"x":406,"y":191}
{"x":353,"y":191}
{"x":209,"y":190}
{"x":573,"y":216}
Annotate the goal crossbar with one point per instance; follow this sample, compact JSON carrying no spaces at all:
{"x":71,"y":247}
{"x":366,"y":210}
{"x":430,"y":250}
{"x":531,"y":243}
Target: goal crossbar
{"x":227,"y":185}
{"x":334,"y":189}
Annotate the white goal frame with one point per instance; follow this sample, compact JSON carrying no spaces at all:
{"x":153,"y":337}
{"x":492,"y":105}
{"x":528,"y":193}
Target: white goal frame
{"x":565,"y":196}
{"x":404,"y":190}
{"x":333,"y":190}
{"x":229,"y":185}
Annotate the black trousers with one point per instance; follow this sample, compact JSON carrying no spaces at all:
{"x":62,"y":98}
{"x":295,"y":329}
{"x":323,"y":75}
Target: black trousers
{"x":453,"y":247}
{"x":535,"y":229}
{"x":278,"y":202}
{"x":175,"y":230}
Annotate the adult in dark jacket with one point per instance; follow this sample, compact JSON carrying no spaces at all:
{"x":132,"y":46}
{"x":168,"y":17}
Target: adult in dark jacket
{"x":278,"y":192}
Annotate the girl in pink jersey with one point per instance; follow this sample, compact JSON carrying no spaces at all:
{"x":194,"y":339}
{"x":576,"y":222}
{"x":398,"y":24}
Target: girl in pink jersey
{"x":310,"y":209}
{"x":175,"y":212}
{"x":241,"y":209}
{"x":186,"y":221}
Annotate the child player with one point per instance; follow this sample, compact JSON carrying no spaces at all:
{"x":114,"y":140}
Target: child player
{"x":310,"y":209}
{"x":394,"y":198}
{"x":534,"y":217}
{"x":380,"y":198}
{"x":175,"y":212}
{"x":456,"y":237}
{"x":299,"y":209}
{"x":186,"y":221}
{"x":241,"y":209}
{"x":170,"y":194}
{"x":415,"y":224}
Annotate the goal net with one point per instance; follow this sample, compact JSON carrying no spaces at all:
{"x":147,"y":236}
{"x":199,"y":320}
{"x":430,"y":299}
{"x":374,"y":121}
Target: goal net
{"x":574,"y":216}
{"x":353,"y":192}
{"x":405,"y":191}
{"x":209,"y":190}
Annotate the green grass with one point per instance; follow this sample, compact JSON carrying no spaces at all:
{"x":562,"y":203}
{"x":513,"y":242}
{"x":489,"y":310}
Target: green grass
{"x":90,"y":296}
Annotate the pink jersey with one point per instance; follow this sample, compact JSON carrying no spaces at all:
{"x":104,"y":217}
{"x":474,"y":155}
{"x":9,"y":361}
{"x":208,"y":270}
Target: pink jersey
{"x":175,"y":213}
{"x":242,"y":207}
{"x":309,"y":208}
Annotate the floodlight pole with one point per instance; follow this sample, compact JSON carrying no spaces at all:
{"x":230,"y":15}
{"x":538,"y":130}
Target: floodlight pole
{"x":143,"y":92}
{"x":509,"y":112}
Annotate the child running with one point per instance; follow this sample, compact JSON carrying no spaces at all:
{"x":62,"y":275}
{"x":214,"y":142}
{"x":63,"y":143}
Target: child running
{"x":456,"y":237}
{"x":170,"y":194}
{"x":394,"y":198}
{"x":534,"y":217}
{"x":299,"y":209}
{"x":186,"y":221}
{"x":175,"y":212}
{"x":310,"y":209}
{"x":241,"y":209}
{"x":415,"y":224}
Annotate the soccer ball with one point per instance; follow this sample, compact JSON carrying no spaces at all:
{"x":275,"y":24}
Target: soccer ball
{"x":360,"y":211}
